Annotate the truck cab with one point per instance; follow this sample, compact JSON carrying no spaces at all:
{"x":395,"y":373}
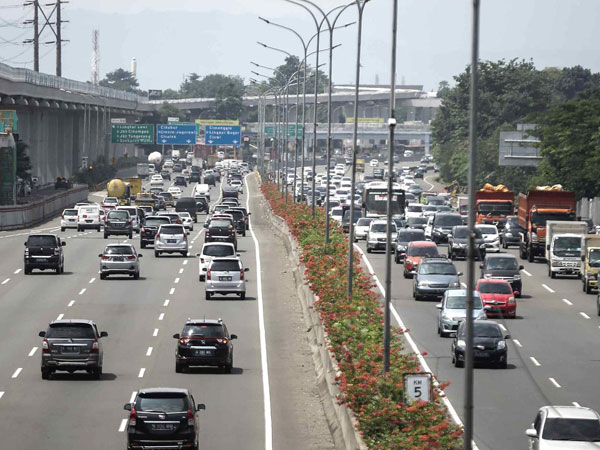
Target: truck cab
{"x":563,"y":247}
{"x":590,"y":262}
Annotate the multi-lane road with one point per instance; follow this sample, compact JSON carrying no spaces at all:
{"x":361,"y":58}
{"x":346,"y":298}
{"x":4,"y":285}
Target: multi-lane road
{"x":269,"y":401}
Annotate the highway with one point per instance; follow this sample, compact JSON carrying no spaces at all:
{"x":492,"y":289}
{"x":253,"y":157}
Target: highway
{"x":553,"y":351}
{"x":269,"y":401}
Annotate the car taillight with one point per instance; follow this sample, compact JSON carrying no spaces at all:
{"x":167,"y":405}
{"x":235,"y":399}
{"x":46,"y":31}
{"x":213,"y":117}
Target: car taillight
{"x":132,"y":418}
{"x":242,"y":274}
{"x":143,"y":230}
{"x":190,"y":418}
{"x":202,"y":260}
{"x":208,"y":274}
{"x":157,"y":236}
{"x":62,"y":215}
{"x":105,"y":257}
{"x":184,"y":341}
{"x":131,"y":257}
{"x":56,"y":251}
{"x":45,"y":346}
{"x":129,"y":221}
{"x":26,"y":252}
{"x":222,"y":340}
{"x":95,"y":346}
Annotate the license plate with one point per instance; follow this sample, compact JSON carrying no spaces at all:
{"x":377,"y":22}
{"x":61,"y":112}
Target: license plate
{"x":162,"y":426}
{"x":42,"y":260}
{"x":480,"y":354}
{"x":70,"y":349}
{"x":171,"y":241}
{"x":117,"y":258}
{"x":203,"y":352}
{"x":88,"y":221}
{"x":224,"y":278}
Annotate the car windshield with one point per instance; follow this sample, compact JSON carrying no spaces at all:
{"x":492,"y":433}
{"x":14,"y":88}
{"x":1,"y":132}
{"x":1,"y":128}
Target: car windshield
{"x":429,"y":208}
{"x":429,"y":251}
{"x":483,"y":329}
{"x":171,"y":229}
{"x":164,"y":402}
{"x":416,"y":221}
{"x":594,"y":258}
{"x":409,"y":236}
{"x":156,"y":222}
{"x":225,"y":266}
{"x":487,"y":229}
{"x":363,"y":222}
{"x":132,"y":211}
{"x":166,"y":195}
{"x":566,"y":429}
{"x":221,"y":207}
{"x":204,"y":330}
{"x":109,"y":200}
{"x":462,"y":233}
{"x":71,"y":331}
{"x":218,"y":250}
{"x":118,"y":250}
{"x":185,"y":214}
{"x":437,"y":269}
{"x":494,"y":288}
{"x":414,"y":208}
{"x":448,"y":220}
{"x":501,"y":264}
{"x":42,"y":241}
{"x":382,"y":227}
{"x":567,"y":246}
{"x":540,"y":219}
{"x":460,"y":302}
{"x":237,"y":215}
{"x":123,"y":215}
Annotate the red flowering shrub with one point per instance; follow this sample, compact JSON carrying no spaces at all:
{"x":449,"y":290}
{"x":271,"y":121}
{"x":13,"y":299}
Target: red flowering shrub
{"x":355,"y":331}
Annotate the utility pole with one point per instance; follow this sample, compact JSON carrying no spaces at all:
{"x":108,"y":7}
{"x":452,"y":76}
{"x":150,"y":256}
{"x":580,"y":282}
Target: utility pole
{"x":55,"y":27}
{"x":36,"y":36}
{"x":58,"y":34}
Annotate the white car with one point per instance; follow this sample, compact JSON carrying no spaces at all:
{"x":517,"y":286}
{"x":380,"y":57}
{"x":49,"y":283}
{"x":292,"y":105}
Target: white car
{"x":68,"y":219}
{"x":414,"y":210}
{"x":202,"y":190}
{"x":361,"y":228}
{"x":564,"y":428}
{"x":337,"y":213}
{"x":408,"y":153}
{"x":88,"y":217}
{"x":168,"y":164}
{"x":186,"y":220}
{"x":238,"y":184}
{"x":110,"y":203}
{"x":156,"y":180}
{"x":340,"y":172}
{"x":175,"y":192}
{"x":377,"y":235}
{"x":374,"y":163}
{"x":211,"y":250}
{"x":491,"y":237}
{"x":151,"y":169}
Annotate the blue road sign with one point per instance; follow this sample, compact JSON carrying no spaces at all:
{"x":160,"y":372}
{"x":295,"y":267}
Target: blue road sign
{"x":176,"y":134}
{"x":222,"y":135}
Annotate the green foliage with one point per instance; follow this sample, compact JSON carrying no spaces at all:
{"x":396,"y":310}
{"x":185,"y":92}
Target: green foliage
{"x":209,"y":86}
{"x":283,"y":73}
{"x":169,"y":94}
{"x":228,"y":101}
{"x":167,"y":110}
{"x":122,"y":80}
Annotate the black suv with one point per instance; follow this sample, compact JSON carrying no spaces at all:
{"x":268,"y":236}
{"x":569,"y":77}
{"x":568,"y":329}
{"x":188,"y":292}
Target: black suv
{"x":443,"y":223}
{"x":239,"y":220}
{"x":187,"y":204}
{"x":220,"y":230}
{"x":180,"y":181}
{"x":204,"y":343}
{"x":118,"y":222}
{"x":148,"y":231}
{"x":511,"y":233}
{"x":458,"y":243}
{"x":44,"y":251}
{"x":163,"y":418}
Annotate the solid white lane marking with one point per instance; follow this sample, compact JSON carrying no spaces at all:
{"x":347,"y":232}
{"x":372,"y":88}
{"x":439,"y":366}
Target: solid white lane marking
{"x":17,"y":271}
{"x":149,"y":351}
{"x":81,"y":292}
{"x":162,"y":316}
{"x":60,"y":316}
{"x":123,"y":425}
{"x":132,"y":398}
{"x":548,"y":288}
{"x":181,"y":270}
{"x":502,"y":326}
{"x":142,"y":372}
{"x":185,"y":261}
{"x":567,"y":302}
{"x":464,"y":285}
{"x":166,"y":303}
{"x":263,"y":340}
{"x":6,"y":281}
{"x":32,"y":352}
{"x":71,"y":303}
{"x":584,"y":315}
{"x":92,"y":280}
{"x":155,"y":332}
{"x":534,"y":361}
{"x":17,"y":372}
{"x":554,"y":382}
{"x":176,"y":280}
{"x":172,"y":291}
{"x":517,"y":343}
{"x":576,"y":404}
{"x":526,"y":273}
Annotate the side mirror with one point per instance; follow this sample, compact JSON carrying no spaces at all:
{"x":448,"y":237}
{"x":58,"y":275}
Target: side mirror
{"x":459,"y":274}
{"x":103,"y":334}
{"x":205,"y":225}
{"x":25,"y":244}
{"x":481,"y":266}
{"x":249,"y":213}
{"x":200,"y":407}
{"x":127,"y":407}
{"x":548,"y":247}
{"x":247,"y":269}
{"x":233,"y":336}
{"x":99,"y":255}
{"x":63,"y":243}
{"x":176,"y":336}
{"x":140,"y":255}
{"x":521,"y":267}
{"x":507,"y":336}
{"x":42,"y":334}
{"x":204,"y":269}
{"x":531,"y":433}
{"x":198,"y":255}
{"x":438,"y":306}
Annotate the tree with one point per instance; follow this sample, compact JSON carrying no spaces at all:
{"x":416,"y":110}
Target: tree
{"x":443,"y":89}
{"x":167,"y":110}
{"x":284,"y":72}
{"x":122,"y":80}
{"x":23,"y":161}
{"x":194,"y":86}
{"x":572,"y":80}
{"x":169,"y":94}
{"x":229,"y":101}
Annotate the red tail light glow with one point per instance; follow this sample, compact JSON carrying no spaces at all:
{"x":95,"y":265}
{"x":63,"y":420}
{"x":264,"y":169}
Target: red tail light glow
{"x":131,"y":257}
{"x":242,"y":274}
{"x":133,"y":417}
{"x":105,"y":257}
{"x":208,"y":274}
{"x":45,"y":346}
{"x":191,"y":420}
{"x":95,"y":346}
{"x":157,"y":236}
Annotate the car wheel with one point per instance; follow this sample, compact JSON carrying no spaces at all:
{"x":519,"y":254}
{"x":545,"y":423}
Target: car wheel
{"x":244,"y":233}
{"x":178,"y":368}
{"x":27,"y":270}
{"x":184,"y":254}
{"x":98,"y":229}
{"x":97,"y":373}
{"x":62,"y":228}
{"x":208,"y":295}
{"x":458,"y":363}
{"x":103,"y":276}
{"x":142,"y":244}
{"x":130,"y":235}
{"x":503,"y":364}
{"x":530,"y":256}
{"x":405,"y":274}
{"x":588,"y":289}
{"x":229,"y":367}
{"x":368,"y":249}
{"x":156,"y":254}
{"x":62,"y":267}
{"x":106,"y":235}
{"x":243,"y":296}
{"x":136,"y":276}
{"x":45,"y":374}
{"x":504,"y":246}
{"x":57,"y":270}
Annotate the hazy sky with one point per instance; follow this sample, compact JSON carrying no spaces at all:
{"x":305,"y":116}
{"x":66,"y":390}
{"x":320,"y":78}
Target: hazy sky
{"x":172,"y":38}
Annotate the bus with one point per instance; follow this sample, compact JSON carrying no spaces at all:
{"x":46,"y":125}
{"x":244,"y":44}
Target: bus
{"x":375,"y":197}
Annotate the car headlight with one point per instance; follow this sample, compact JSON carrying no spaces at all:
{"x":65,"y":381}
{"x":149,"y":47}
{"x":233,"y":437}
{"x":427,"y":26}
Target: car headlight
{"x":446,"y":316}
{"x":423,"y":284}
{"x":401,"y":247}
{"x":460,"y":344}
{"x":458,"y":245}
{"x":501,"y":345}
{"x":534,"y":237}
{"x":481,"y":246}
{"x":487,"y":275}
{"x":455,"y":285}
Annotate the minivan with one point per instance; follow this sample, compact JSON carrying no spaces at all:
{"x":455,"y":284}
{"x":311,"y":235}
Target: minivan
{"x":187,"y":204}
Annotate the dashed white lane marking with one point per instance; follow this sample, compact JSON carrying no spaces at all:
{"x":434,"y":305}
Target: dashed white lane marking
{"x":71,"y":303}
{"x":517,"y":343}
{"x":548,"y":288}
{"x":567,"y":302}
{"x":576,"y":404}
{"x":535,"y":362}
{"x":584,"y":315}
{"x":185,"y":261}
{"x":1,"y":394}
{"x":526,"y":273}
{"x":464,"y":285}
{"x":92,"y":280}
{"x":155,"y":332}
{"x":6,"y":281}
{"x":176,"y":280}
{"x":17,"y":372}
{"x":166,"y":303}
{"x":162,"y":316}
{"x":149,"y":351}
{"x":123,"y":425}
{"x":142,"y":372}
{"x":32,"y":352}
{"x":17,"y":271}
{"x":60,"y":316}
{"x":554,"y":382}
{"x":81,"y":292}
{"x":132,"y":398}
{"x":172,"y":291}
{"x":181,"y":270}
{"x":502,"y":326}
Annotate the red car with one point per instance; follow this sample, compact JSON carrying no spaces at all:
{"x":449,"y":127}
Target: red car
{"x":415,"y":252}
{"x":498,"y":296}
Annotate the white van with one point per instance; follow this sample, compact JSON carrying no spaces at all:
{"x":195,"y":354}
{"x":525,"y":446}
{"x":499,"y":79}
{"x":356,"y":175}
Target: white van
{"x":88,"y":217}
{"x":202,"y":190}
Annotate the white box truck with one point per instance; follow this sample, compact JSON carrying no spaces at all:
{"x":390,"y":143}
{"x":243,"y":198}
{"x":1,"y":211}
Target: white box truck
{"x":564,"y":242}
{"x":143,"y":170}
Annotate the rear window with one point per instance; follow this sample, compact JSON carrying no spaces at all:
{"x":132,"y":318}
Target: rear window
{"x":447,"y":220}
{"x":204,"y":330}
{"x":363,"y":222}
{"x":166,"y":195}
{"x":218,"y":250}
{"x":124,"y":215}
{"x":225,"y":266}
{"x":171,"y":229}
{"x":71,"y":331}
{"x":119,"y":250}
{"x":237,"y":215}
{"x":132,"y":211}
{"x":42,"y":241}
{"x":70,"y":212}
{"x":409,"y":236}
{"x":219,"y":223}
{"x":162,"y":402}
{"x":156,"y":222}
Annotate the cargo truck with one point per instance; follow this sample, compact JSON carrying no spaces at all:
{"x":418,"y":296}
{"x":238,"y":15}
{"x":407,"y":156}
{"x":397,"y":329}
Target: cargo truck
{"x":143,"y":170}
{"x":590,"y":262}
{"x":563,"y":247}
{"x":493,"y":204}
{"x":535,"y":209}
{"x":135,"y":186}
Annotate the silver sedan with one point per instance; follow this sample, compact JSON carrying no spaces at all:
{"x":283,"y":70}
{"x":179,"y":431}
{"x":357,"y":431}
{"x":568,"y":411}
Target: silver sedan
{"x":119,"y":259}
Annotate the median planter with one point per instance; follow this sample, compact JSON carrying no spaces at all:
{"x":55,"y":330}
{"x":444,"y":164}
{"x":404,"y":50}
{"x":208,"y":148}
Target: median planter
{"x":354,"y":334}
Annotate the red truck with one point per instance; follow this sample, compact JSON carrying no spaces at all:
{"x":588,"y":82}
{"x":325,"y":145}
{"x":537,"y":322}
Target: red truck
{"x":492,"y":207}
{"x":535,"y":208}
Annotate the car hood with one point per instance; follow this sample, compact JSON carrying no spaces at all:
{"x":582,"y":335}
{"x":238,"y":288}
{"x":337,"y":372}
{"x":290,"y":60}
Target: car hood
{"x":457,"y":314}
{"x":441,"y":279}
{"x":490,"y":298}
{"x":500,"y":273}
{"x":568,"y":445}
{"x":487,"y":342}
{"x":464,"y":241}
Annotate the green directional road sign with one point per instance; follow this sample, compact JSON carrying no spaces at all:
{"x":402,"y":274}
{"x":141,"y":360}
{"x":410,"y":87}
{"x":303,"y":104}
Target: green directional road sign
{"x":270,"y":130}
{"x":132,"y":133}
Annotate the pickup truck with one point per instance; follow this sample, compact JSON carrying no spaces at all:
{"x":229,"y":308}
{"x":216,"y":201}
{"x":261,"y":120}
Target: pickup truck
{"x":591,"y":262}
{"x":563,"y":247}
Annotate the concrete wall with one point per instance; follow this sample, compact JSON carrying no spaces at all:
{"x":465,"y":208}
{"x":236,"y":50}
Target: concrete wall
{"x":24,"y":216}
